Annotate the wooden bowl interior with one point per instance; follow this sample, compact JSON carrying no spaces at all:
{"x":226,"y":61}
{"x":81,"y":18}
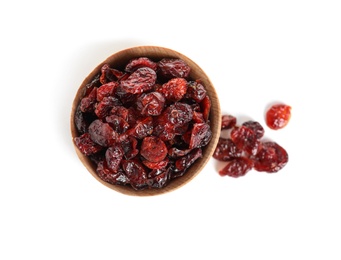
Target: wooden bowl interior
{"x":118,"y":61}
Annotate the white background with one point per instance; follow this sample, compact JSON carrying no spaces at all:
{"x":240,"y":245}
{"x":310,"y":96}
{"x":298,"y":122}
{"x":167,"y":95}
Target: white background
{"x":255,"y":52}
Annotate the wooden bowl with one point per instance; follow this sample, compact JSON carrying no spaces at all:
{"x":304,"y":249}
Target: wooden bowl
{"x":118,"y":61}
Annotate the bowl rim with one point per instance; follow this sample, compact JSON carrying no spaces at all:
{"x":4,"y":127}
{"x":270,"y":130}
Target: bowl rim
{"x":154,"y":52}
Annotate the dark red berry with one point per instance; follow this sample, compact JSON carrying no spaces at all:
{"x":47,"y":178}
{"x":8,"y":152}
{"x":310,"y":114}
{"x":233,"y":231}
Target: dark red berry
{"x":278,"y":116}
{"x":237,"y":167}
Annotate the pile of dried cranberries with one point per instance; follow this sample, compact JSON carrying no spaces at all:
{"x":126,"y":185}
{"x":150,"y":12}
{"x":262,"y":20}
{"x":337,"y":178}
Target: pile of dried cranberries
{"x":143,"y":125}
{"x":244,"y":149}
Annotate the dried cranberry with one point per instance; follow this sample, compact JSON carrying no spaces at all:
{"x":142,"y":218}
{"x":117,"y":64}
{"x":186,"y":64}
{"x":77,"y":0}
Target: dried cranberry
{"x":200,"y":136}
{"x":228,"y":122}
{"x":101,"y":133}
{"x":206,"y":107}
{"x":104,"y":107}
{"x":226,"y":150}
{"x":278,"y":116}
{"x":117,"y":123}
{"x":134,"y":64}
{"x":271,"y":158}
{"x":256,"y":127}
{"x":174,"y":89}
{"x":183,"y":163}
{"x":106,"y":90}
{"x":86,"y":145}
{"x":136,"y":173}
{"x":142,"y":128}
{"x":88,"y":102}
{"x":237,"y":167}
{"x":107,"y":175}
{"x":174,"y":68}
{"x":195,"y":91}
{"x":153,"y":149}
{"x":113,"y":156}
{"x":129,"y":146}
{"x":245,"y":139}
{"x":139,"y":81}
{"x":151,"y":104}
{"x":156,"y":165}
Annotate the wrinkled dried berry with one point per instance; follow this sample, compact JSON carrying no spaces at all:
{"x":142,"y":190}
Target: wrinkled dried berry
{"x":200,"y":136}
{"x":108,"y":176}
{"x":228,"y":122}
{"x":151,"y":104}
{"x":174,"y":68}
{"x":195,"y":91}
{"x":174,"y":89}
{"x":245,"y":139}
{"x":278,"y":116}
{"x":136,"y":174}
{"x":139,"y":81}
{"x":101,"y":133}
{"x":153,"y":149}
{"x":271,"y":158}
{"x":134,"y":64}
{"x":86,"y":145}
{"x":255,"y":127}
{"x":237,"y":167}
{"x":226,"y":150}
{"x":113,"y":156}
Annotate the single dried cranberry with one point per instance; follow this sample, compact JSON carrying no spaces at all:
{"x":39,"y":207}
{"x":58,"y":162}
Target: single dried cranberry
{"x":195,"y":91}
{"x":206,"y":107}
{"x":80,"y":122}
{"x":142,"y":128}
{"x":226,"y":150}
{"x":179,"y":113}
{"x":159,"y":177}
{"x":256,"y":127}
{"x":271,"y":158}
{"x":129,"y":146}
{"x":117,"y":123}
{"x":198,"y":117}
{"x":156,"y":165}
{"x":174,"y":68}
{"x":139,"y":81}
{"x":104,"y":107}
{"x":120,"y":111}
{"x":134,"y":64}
{"x":107,"y":175}
{"x":151,"y":104}
{"x":174,"y":89}
{"x":183,"y":163}
{"x":278,"y":116}
{"x":113,"y":156}
{"x":153,"y":149}
{"x":200,"y":136}
{"x":237,"y":167}
{"x":245,"y":139}
{"x":108,"y":74}
{"x":88,"y":102}
{"x":136,"y":173}
{"x":228,"y":122}
{"x":101,"y":133}
{"x":106,"y":90}
{"x":175,"y":152}
{"x":86,"y":145}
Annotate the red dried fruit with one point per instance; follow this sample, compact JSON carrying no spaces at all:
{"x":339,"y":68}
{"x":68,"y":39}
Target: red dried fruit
{"x":113,"y":157}
{"x":120,"y":111}
{"x":158,"y":178}
{"x":228,"y":122}
{"x":237,"y":167}
{"x":151,"y":104}
{"x":200,"y":136}
{"x":86,"y":145}
{"x":142,"y":128}
{"x":136,"y":174}
{"x":129,"y":146}
{"x":226,"y":150}
{"x":179,"y":113}
{"x":117,"y":123}
{"x":206,"y":107}
{"x":174,"y":68}
{"x":245,"y":139}
{"x":175,"y":152}
{"x":88,"y":102}
{"x":104,"y":107}
{"x":271,"y":158}
{"x":256,"y":127}
{"x":108,"y":74}
{"x":101,"y":133}
{"x":108,"y":176}
{"x":174,"y":89}
{"x":134,"y":64}
{"x":106,"y":90}
{"x":156,"y":165}
{"x":278,"y":116}
{"x":139,"y":81}
{"x":195,"y":91}
{"x":153,"y":149}
{"x":183,"y":163}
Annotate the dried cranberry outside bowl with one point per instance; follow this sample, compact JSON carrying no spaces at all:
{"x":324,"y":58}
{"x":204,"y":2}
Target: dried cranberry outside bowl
{"x":118,"y":61}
